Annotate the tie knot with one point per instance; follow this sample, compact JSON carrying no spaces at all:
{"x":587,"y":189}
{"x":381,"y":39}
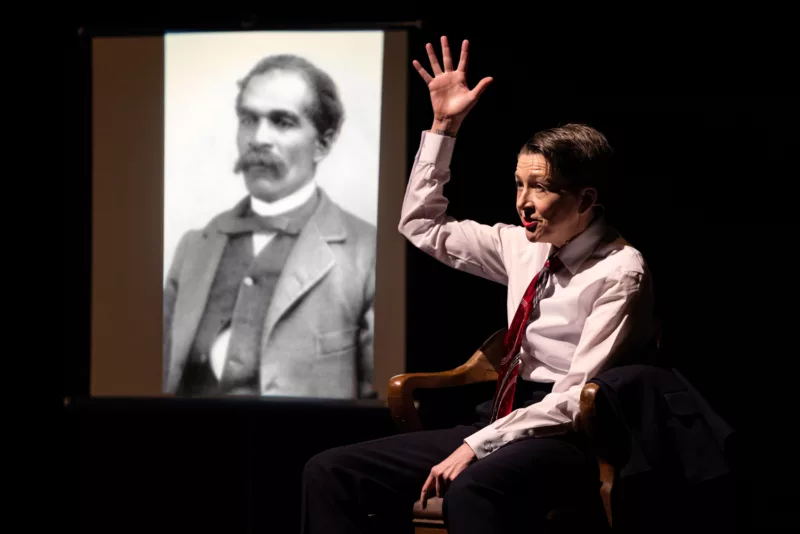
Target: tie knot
{"x":245,"y":220}
{"x":274,"y":223}
{"x":250,"y":222}
{"x":553,"y":264}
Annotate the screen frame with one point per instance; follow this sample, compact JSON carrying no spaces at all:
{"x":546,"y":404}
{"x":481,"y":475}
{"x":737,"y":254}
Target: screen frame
{"x":112,"y":377}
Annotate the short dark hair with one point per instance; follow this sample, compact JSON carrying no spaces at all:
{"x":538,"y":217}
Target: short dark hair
{"x":327,"y":113}
{"x":577,"y":156}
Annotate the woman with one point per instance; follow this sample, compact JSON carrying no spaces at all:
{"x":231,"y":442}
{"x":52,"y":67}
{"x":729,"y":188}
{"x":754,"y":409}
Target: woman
{"x":579,"y":298}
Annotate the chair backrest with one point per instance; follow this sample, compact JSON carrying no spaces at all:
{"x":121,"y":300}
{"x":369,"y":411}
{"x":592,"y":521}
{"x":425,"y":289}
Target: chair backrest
{"x":483,"y":365}
{"x":493,"y":349}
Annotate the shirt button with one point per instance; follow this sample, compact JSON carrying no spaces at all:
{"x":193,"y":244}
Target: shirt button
{"x":248,"y":281}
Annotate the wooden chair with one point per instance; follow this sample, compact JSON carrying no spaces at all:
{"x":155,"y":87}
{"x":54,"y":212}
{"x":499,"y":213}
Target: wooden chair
{"x":481,"y":367}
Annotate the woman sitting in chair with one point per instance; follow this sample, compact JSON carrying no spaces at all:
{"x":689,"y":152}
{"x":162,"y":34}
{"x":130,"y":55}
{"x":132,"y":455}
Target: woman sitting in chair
{"x":579,"y":297}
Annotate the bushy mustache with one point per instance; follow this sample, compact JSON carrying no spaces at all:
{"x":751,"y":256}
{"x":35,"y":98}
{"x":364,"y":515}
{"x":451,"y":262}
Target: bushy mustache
{"x":255,"y":157}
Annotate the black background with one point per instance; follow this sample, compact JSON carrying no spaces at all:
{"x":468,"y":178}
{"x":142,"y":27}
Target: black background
{"x":702,"y":114}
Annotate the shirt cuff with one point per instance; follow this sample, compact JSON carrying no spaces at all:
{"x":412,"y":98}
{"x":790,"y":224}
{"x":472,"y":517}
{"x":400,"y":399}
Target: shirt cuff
{"x":436,"y":149}
{"x":484,"y":442}
{"x":488,"y":439}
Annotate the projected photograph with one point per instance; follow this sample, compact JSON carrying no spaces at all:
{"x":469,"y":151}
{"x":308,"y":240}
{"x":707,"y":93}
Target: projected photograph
{"x":271,"y":161}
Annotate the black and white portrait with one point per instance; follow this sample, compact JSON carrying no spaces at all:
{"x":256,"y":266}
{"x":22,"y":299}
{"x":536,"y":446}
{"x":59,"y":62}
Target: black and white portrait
{"x":270,"y":207}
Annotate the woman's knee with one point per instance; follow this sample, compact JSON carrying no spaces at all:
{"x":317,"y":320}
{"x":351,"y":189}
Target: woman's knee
{"x":322,"y":466}
{"x":464,"y":493}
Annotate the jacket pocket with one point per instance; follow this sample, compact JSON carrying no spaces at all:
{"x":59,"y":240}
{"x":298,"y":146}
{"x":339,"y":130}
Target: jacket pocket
{"x":681,"y":403}
{"x":336,"y":341}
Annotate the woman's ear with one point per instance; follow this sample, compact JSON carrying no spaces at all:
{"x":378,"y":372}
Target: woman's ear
{"x":588,"y":199}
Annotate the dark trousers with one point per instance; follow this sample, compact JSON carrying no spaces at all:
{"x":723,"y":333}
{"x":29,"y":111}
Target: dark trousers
{"x":373,"y":485}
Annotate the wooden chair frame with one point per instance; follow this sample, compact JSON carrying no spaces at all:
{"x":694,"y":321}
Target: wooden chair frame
{"x":481,"y":367}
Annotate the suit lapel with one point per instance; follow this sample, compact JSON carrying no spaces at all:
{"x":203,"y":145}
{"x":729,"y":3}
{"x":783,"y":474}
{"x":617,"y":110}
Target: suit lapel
{"x":309,"y":261}
{"x":200,"y":269}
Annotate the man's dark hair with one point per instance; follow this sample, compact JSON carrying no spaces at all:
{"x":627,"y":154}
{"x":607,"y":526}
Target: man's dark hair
{"x":577,"y":156}
{"x":327,"y":113}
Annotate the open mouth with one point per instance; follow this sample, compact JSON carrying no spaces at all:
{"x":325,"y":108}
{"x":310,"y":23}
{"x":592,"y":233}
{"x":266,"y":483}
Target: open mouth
{"x":530,"y":225}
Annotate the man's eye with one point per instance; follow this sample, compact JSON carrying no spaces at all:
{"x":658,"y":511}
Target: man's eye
{"x":285,"y":123}
{"x":247,"y":119}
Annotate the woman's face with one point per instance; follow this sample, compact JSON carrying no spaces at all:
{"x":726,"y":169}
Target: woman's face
{"x":548,"y":212}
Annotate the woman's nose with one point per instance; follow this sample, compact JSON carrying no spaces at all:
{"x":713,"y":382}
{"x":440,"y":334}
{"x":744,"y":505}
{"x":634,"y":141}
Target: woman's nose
{"x":525,"y":205}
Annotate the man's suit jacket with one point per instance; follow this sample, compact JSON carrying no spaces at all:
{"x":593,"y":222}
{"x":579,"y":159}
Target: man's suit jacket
{"x":317,"y":338}
{"x":671,"y":450}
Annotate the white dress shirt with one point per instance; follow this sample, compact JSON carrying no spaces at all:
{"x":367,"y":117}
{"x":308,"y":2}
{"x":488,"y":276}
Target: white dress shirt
{"x":597,"y":306}
{"x":219,"y":348}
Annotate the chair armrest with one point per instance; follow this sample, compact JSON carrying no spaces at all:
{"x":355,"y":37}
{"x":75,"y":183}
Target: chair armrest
{"x":586,"y":417}
{"x":587,"y":423}
{"x":481,"y":367}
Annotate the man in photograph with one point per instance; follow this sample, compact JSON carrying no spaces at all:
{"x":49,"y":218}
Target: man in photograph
{"x":275,"y":296}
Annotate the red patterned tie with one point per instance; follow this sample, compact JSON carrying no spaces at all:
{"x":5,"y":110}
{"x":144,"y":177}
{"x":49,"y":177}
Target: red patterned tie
{"x":509,"y":368}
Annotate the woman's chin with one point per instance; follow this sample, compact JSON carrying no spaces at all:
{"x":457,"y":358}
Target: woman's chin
{"x":538,"y":236}
{"x":533,"y":236}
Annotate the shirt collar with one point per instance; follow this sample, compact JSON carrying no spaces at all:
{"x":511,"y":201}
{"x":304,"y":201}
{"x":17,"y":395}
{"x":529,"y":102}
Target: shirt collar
{"x":575,"y":252}
{"x":288,"y":203}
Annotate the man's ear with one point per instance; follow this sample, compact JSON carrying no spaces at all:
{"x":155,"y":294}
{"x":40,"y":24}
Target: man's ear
{"x":324,"y":144}
{"x":588,"y":199}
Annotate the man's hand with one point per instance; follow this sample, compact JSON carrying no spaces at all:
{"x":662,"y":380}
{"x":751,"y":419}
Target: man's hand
{"x":450,"y":97}
{"x":444,"y":473}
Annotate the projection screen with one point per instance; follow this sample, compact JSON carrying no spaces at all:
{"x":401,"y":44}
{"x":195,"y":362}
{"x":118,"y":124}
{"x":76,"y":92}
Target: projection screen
{"x":246,"y":195}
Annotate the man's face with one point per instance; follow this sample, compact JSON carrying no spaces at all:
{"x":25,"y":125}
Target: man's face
{"x":549,"y":214}
{"x":278,"y":144}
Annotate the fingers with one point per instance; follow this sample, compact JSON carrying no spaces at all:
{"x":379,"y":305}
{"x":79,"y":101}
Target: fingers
{"x":435,"y":484}
{"x":481,"y":87}
{"x":423,"y":496}
{"x":446,"y":57}
{"x":422,"y":72}
{"x":432,"y":58}
{"x":462,"y":62}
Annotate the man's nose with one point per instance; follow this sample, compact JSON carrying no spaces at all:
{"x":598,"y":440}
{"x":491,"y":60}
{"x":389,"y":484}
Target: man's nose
{"x":264,"y":133}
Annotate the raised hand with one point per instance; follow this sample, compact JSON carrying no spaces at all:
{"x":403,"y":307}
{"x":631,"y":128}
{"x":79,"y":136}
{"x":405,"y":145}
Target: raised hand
{"x":451,"y":98}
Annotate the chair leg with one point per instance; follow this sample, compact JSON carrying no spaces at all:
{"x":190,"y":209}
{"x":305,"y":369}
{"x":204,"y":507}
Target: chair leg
{"x":607,"y":483}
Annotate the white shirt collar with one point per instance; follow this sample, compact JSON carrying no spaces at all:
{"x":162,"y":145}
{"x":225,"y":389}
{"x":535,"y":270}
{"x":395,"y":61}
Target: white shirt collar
{"x":575,"y":252}
{"x":288,"y":203}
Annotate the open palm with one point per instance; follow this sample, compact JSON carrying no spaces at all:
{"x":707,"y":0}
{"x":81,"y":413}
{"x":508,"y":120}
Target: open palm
{"x":451,"y":98}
